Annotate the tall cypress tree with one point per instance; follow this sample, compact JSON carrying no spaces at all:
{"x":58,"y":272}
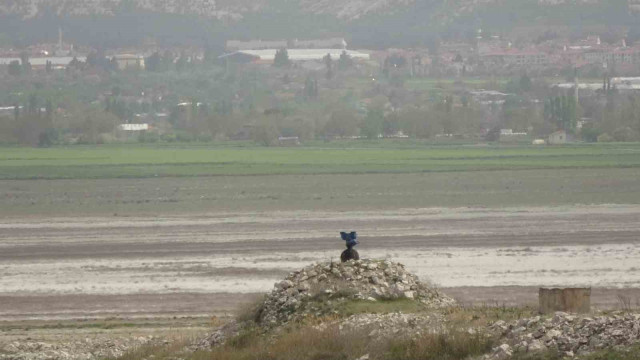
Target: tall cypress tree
{"x":282,"y":58}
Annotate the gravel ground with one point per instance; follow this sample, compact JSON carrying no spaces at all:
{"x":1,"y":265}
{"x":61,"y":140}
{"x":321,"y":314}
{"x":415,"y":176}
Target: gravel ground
{"x":89,"y":287}
{"x":53,"y":268}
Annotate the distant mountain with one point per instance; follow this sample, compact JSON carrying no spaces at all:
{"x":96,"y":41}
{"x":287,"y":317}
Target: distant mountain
{"x":211,"y":8}
{"x":236,"y":9}
{"x":365,"y":23}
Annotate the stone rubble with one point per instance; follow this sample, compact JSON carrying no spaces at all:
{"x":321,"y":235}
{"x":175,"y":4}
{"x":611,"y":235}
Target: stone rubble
{"x":570,"y":335}
{"x":85,"y":349}
{"x":380,"y":326}
{"x":331,"y":282}
{"x":218,"y":336}
{"x":318,"y":289}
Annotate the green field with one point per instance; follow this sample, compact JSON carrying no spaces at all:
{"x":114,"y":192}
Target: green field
{"x":386,"y":175}
{"x":140,"y":161}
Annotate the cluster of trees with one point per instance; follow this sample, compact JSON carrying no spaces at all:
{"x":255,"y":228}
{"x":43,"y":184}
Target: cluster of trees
{"x":562,"y":111}
{"x":311,"y":87}
{"x":213,"y":102}
{"x":282,"y":58}
{"x":30,"y":125}
{"x":611,"y":117}
{"x":17,"y":68}
{"x":448,"y":116}
{"x":344,"y":62}
{"x":98,"y":59}
{"x":40,"y":123}
{"x":199,"y":121}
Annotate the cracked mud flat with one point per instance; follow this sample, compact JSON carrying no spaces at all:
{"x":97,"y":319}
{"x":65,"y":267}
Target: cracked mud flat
{"x":100,"y":267}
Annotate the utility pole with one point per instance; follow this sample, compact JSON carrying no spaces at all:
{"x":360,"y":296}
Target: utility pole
{"x":59,"y":40}
{"x":576,"y":85}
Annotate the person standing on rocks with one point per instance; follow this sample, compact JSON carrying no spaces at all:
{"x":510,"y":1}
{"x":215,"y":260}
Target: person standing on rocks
{"x":350,"y":253}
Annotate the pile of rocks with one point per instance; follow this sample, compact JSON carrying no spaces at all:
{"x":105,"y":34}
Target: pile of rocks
{"x":397,"y":325}
{"x":318,"y":289}
{"x":568,"y":334}
{"x":81,"y":349}
{"x":332,"y":282}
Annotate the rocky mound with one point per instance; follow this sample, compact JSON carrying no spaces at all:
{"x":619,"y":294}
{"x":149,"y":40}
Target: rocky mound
{"x":568,"y":334}
{"x":319,"y":289}
{"x":308,"y":291}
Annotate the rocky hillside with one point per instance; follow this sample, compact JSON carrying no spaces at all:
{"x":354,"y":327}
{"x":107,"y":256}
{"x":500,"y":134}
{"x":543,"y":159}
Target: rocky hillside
{"x":213,"y":8}
{"x":373,"y":24}
{"x":343,"y":9}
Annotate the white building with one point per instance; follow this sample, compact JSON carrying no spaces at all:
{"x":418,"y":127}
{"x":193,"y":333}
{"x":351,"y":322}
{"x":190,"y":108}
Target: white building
{"x":235,"y":45}
{"x":268,"y":55}
{"x":559,"y":137}
{"x":133,"y":127}
{"x":129,"y":61}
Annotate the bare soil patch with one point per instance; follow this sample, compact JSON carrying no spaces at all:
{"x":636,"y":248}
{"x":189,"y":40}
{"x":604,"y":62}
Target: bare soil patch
{"x":196,"y":265}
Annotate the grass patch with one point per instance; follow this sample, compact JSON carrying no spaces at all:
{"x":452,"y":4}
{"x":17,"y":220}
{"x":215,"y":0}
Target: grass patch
{"x":545,"y":355}
{"x":68,"y":325}
{"x":185,"y":195}
{"x":629,"y":353}
{"x":110,"y":323}
{"x":305,"y":343}
{"x":406,"y":306}
{"x":181,"y":179}
{"x":155,"y":351}
{"x":246,"y":338}
{"x":309,"y":343}
{"x":449,"y":346}
{"x":138,"y":161}
{"x":250,"y":312}
{"x":480,"y":316}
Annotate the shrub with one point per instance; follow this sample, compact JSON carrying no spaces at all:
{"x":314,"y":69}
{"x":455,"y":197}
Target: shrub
{"x":251,"y":311}
{"x":625,"y":134}
{"x":148,"y":137}
{"x":155,"y":351}
{"x":205,"y":138}
{"x":306,"y":343}
{"x":445,"y":346}
{"x":168,"y":137}
{"x":605,"y":138}
{"x":590,"y":134}
{"x":545,"y":355}
{"x":184,"y":137}
{"x":245,"y":338}
{"x":630,"y":353}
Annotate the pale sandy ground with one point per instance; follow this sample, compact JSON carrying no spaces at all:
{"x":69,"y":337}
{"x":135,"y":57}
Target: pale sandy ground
{"x":66,"y":268}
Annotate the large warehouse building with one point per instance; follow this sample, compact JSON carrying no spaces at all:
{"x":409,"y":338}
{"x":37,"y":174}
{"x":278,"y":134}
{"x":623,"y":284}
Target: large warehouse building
{"x":267,"y":56}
